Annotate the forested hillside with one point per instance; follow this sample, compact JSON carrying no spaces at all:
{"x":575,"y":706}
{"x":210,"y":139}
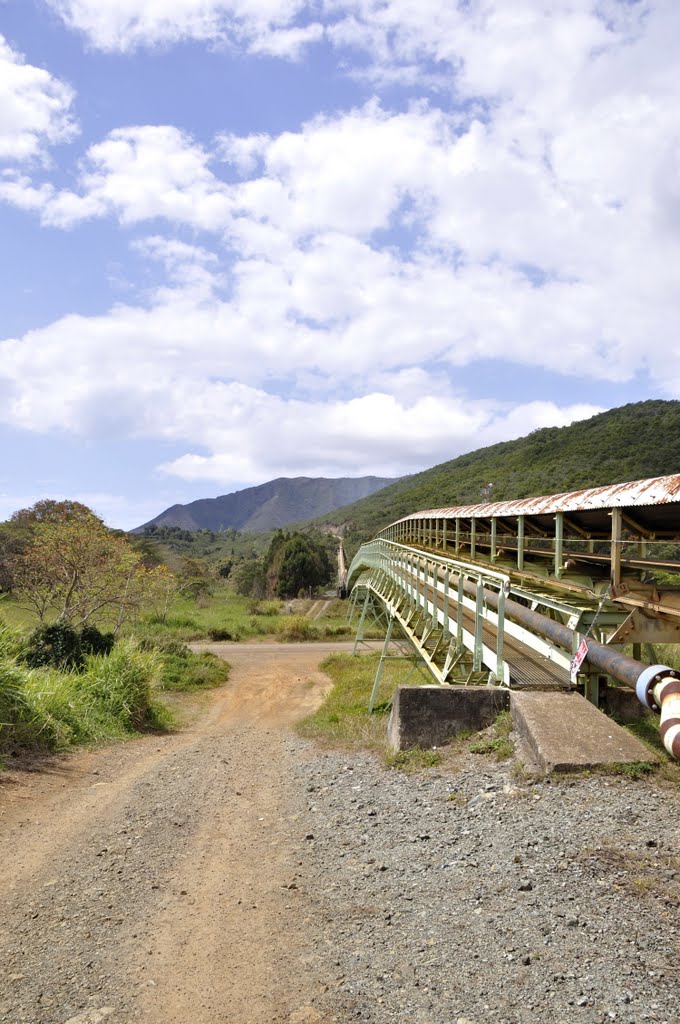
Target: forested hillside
{"x":632,"y":442}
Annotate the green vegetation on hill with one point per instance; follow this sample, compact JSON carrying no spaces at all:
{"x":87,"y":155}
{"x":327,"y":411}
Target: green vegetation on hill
{"x":630,"y":443}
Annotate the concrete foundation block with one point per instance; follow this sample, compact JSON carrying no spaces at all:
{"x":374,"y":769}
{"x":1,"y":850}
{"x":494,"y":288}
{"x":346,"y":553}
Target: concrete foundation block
{"x":429,"y":716}
{"x":564,"y":732}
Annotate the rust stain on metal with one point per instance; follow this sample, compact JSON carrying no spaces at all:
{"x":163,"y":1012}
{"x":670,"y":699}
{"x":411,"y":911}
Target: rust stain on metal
{"x":660,"y":490}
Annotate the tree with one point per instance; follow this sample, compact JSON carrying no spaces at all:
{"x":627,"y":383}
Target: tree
{"x":74,"y":568}
{"x":248,"y":579}
{"x":296,"y":562}
{"x":195,"y":577}
{"x":17,"y":533}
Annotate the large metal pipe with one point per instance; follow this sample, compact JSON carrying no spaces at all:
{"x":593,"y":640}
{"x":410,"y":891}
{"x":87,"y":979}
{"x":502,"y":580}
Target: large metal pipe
{"x":642,"y":678}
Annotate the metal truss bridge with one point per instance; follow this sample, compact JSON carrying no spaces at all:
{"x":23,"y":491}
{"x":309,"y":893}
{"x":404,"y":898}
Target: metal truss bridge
{"x":540,"y":593}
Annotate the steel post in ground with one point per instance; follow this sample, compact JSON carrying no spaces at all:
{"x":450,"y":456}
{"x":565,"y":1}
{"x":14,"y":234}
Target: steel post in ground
{"x":378,"y":674}
{"x":353,"y":604}
{"x":360,"y":628}
{"x":592,"y":688}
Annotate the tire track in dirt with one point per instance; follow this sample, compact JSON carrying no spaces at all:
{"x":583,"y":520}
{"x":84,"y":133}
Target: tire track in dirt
{"x":163,"y":880}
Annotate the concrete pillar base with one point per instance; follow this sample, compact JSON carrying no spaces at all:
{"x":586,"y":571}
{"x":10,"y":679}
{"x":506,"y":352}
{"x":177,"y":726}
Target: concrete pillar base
{"x":429,"y":716}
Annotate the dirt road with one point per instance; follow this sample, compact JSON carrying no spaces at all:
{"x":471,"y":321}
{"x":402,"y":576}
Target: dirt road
{"x":163,"y":880}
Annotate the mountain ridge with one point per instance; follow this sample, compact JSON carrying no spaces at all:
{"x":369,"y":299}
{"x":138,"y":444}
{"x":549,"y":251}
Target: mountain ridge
{"x":276,"y":503}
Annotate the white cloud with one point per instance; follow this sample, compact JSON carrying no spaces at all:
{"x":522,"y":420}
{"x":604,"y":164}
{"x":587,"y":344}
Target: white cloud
{"x":373,"y":253}
{"x":35,"y":107}
{"x":375,"y":434}
{"x":125,"y":25}
{"x":137,"y":173}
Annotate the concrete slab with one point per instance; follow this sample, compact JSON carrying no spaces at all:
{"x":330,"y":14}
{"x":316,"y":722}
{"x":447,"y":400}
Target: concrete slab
{"x":429,"y":716}
{"x":565,"y":732}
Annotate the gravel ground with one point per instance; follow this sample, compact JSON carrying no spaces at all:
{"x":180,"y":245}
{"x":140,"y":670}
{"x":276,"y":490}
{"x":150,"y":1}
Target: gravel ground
{"x":236,"y":874}
{"x":470,"y":897}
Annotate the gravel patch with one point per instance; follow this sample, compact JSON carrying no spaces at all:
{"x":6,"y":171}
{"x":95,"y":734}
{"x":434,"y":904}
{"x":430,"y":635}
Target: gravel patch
{"x":469,"y":897}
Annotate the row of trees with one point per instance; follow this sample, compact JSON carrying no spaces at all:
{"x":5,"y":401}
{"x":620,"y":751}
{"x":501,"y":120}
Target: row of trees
{"x":62,"y":562}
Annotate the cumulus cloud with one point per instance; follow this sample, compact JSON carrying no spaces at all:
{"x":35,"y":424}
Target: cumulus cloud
{"x":123,"y":25}
{"x":375,"y":434}
{"x":341,"y":274}
{"x":135,"y":174}
{"x":35,"y":107}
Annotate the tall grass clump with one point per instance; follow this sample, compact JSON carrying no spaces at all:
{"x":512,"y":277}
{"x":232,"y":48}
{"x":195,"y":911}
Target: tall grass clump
{"x":43,"y":709}
{"x":13,"y":706}
{"x":121,"y":684}
{"x":181,"y":669}
{"x":297,"y":627}
{"x":12,"y":641}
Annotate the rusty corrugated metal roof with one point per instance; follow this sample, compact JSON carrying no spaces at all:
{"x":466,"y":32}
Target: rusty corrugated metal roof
{"x":659,"y":490}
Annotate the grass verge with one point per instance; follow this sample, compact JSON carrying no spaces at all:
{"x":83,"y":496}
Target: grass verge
{"x":343,"y":719}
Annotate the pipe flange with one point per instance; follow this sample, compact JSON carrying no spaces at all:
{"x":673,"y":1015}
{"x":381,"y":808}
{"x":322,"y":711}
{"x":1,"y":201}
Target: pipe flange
{"x":648,"y":679}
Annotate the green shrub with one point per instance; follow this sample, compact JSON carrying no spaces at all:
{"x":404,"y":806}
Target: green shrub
{"x":164,"y":644}
{"x":219,"y":634}
{"x":181,"y":669}
{"x":265,"y":607}
{"x":55,"y":645}
{"x":93,"y":641}
{"x":337,"y":630}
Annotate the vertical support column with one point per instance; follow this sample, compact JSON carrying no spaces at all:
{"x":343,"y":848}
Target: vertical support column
{"x":360,"y":628}
{"x":501,"y":631}
{"x":473,"y":536}
{"x":444,"y":539}
{"x":520,"y":542}
{"x":447,"y":585}
{"x":493,"y":539}
{"x":617,"y":529}
{"x":378,"y":674}
{"x":559,"y":543}
{"x":456,"y":543}
{"x":591,"y":689}
{"x":436,"y":533}
{"x":352,"y":605}
{"x":459,"y":619}
{"x":479,"y":611}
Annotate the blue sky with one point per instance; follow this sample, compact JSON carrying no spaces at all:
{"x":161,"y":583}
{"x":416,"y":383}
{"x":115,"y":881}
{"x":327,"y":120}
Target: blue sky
{"x":244,"y":239}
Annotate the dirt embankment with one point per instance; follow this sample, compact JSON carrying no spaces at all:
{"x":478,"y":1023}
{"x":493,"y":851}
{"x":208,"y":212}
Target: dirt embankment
{"x":161,"y":880}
